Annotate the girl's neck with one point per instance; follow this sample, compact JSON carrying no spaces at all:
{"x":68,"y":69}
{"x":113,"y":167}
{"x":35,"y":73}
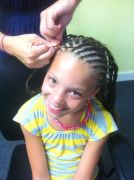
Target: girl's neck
{"x":69,"y":120}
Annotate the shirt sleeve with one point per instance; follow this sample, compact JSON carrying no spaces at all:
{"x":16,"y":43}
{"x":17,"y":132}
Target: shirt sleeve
{"x":101,"y":124}
{"x":27,"y":116}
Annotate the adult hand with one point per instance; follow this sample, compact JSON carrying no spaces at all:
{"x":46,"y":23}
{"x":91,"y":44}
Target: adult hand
{"x":32,"y":50}
{"x":56,"y":17}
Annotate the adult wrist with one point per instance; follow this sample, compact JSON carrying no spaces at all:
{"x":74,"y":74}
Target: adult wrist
{"x":6,"y":43}
{"x":2,"y":36}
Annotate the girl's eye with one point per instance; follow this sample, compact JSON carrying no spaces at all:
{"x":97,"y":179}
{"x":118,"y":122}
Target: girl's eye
{"x":52,"y":80}
{"x":75,"y":93}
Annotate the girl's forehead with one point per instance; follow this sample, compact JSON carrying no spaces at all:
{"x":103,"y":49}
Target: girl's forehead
{"x":69,"y":69}
{"x":65,"y":61}
{"x":64,"y":54}
{"x":67,"y":58}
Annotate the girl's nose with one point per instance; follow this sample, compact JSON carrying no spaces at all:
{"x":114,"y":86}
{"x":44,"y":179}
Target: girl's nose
{"x":58,"y":98}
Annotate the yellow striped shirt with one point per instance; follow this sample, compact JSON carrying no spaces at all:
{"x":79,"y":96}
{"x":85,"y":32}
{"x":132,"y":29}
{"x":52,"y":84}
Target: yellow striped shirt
{"x":64,"y":148}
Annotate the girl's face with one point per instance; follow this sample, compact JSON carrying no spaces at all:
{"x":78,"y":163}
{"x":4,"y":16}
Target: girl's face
{"x":67,"y":86}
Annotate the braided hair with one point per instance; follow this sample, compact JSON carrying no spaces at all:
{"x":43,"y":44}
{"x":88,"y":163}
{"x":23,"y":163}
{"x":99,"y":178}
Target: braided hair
{"x":101,"y":60}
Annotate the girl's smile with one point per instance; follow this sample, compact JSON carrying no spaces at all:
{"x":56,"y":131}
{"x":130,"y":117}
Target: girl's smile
{"x":54,"y":109}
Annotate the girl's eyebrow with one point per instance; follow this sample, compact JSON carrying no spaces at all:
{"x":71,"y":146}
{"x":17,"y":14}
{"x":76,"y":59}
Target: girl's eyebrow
{"x":77,"y":89}
{"x":53,"y":75}
{"x":72,"y":88}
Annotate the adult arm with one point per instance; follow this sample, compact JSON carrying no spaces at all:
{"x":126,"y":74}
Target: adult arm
{"x":36,"y":155}
{"x":32,"y":50}
{"x":89,"y":160}
{"x":56,"y":17}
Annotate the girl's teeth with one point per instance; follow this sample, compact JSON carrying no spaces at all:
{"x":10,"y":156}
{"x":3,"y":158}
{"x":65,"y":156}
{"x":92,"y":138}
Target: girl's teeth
{"x":55,"y":108}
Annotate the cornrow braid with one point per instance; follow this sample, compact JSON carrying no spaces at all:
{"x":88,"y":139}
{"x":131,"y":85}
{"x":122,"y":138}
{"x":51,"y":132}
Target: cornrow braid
{"x":101,"y":60}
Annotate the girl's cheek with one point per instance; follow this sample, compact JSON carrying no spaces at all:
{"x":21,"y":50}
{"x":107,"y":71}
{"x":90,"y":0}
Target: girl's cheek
{"x":46,"y":89}
{"x":43,"y":85}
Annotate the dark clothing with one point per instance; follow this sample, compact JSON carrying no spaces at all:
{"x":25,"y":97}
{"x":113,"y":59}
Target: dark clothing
{"x":16,"y":17}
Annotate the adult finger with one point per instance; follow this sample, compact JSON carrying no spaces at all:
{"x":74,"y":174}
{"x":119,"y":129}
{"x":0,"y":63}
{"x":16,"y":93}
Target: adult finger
{"x":38,"y":49}
{"x":47,"y":56}
{"x":52,"y":27}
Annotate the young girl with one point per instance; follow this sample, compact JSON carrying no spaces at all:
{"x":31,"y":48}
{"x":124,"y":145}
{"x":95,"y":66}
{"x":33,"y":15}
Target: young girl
{"x":67,"y":124}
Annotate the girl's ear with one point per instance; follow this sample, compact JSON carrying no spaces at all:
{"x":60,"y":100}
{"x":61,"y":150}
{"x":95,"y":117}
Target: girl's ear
{"x":94,"y":92}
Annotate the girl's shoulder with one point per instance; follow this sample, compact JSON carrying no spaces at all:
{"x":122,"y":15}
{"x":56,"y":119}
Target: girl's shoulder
{"x":33,"y":105}
{"x":32,"y":115}
{"x":101,"y":122}
{"x":35,"y":101}
{"x":98,"y":109}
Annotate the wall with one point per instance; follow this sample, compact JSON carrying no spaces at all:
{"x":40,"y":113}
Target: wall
{"x":111,"y":22}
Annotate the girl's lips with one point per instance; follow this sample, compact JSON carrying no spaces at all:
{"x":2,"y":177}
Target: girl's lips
{"x":54,"y":109}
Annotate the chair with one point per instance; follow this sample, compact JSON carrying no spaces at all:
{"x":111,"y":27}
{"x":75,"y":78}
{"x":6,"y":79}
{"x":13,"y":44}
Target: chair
{"x":122,"y":154}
